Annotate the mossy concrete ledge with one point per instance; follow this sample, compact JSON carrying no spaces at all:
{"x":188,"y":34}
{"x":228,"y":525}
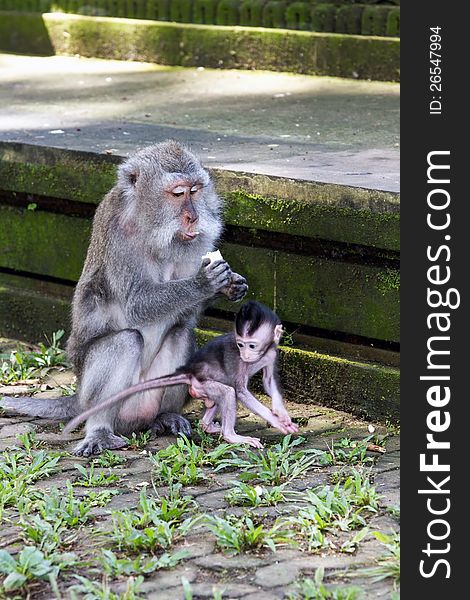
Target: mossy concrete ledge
{"x":29,"y":309}
{"x":314,"y":210}
{"x":353,"y":56}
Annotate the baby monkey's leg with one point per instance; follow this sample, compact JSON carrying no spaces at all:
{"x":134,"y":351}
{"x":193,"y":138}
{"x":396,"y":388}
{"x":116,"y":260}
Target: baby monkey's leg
{"x":226,"y":403}
{"x":207,"y":422}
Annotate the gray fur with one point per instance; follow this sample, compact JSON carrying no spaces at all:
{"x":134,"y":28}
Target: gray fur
{"x":140,"y":293}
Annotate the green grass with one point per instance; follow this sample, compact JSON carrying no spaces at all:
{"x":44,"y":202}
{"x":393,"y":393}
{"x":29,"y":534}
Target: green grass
{"x":278,"y":464}
{"x":244,"y":494}
{"x":140,"y":565}
{"x":155,"y":525}
{"x":315,"y":589}
{"x":388,"y":564}
{"x":101,"y":590}
{"x":22,"y":366}
{"x":91,"y":478}
{"x":183,"y":461}
{"x":235,"y":535}
{"x":31,"y":565}
{"x":342,"y":507}
{"x":349,"y":452}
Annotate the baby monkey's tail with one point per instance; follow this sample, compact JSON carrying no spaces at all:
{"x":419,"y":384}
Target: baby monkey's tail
{"x":158,"y":382}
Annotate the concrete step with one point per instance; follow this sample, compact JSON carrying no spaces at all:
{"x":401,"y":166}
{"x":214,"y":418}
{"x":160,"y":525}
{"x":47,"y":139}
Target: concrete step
{"x":314,"y":227}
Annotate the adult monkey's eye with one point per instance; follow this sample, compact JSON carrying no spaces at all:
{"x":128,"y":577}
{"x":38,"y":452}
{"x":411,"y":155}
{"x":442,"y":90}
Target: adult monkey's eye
{"x":178,"y":191}
{"x":194,"y":189}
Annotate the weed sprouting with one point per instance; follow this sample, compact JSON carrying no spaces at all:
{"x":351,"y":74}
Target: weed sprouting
{"x":101,"y":590}
{"x":315,"y":589}
{"x":278,"y":464}
{"x":183,"y":461}
{"x":138,"y":441}
{"x":388,"y":565}
{"x":109,"y":459}
{"x":238,"y":534}
{"x":244,"y":494}
{"x":348,"y":452}
{"x":141,"y":565}
{"x":21,"y":366}
{"x":157,"y":523}
{"x":340,"y":507}
{"x":90,"y":478}
{"x":31,"y":564}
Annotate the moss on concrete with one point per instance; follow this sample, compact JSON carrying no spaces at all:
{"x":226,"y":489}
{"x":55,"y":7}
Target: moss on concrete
{"x":334,"y":212}
{"x":20,"y":32}
{"x":330,"y":295}
{"x":212,"y":46}
{"x":55,"y":172}
{"x":43,"y":243}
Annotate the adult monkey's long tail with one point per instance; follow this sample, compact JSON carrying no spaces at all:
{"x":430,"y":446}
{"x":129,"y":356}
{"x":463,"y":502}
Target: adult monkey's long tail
{"x":158,"y":382}
{"x":59,"y":408}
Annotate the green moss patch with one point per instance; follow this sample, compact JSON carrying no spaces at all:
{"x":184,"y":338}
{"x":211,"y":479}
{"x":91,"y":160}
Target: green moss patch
{"x":328,"y":211}
{"x":210,"y":46}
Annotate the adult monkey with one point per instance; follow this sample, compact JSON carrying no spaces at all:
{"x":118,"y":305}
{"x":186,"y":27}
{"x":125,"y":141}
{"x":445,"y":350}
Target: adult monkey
{"x":142,"y":288}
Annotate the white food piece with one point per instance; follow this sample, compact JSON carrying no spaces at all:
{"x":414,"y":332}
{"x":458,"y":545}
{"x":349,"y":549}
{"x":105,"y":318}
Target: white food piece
{"x":371,"y":428}
{"x":213,"y":256}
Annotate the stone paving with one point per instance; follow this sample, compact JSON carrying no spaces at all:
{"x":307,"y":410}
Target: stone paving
{"x":252,"y":575}
{"x":322,"y":129}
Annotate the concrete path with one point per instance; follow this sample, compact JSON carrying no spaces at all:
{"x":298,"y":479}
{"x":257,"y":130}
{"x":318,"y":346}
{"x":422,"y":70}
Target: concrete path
{"x":110,"y":488}
{"x":312,"y":128}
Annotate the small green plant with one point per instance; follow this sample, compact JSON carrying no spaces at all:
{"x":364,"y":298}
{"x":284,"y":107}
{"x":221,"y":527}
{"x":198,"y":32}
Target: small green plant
{"x":343,"y":507}
{"x":47,"y":537}
{"x":141,"y":565}
{"x":349,"y":452}
{"x":394,"y":511}
{"x":29,"y":442}
{"x":58,"y":506}
{"x":27,"y":466}
{"x":315,"y":589}
{"x":238,"y":534}
{"x":188,"y":593}
{"x":243,"y":494}
{"x":389,"y":563}
{"x":157,"y":523}
{"x":31,"y":565}
{"x":109,"y":459}
{"x":90,"y":478}
{"x":183,"y":461}
{"x":138,"y":441}
{"x":351,"y":545}
{"x":278,"y":464}
{"x":21,"y":366}
{"x":100,"y":590}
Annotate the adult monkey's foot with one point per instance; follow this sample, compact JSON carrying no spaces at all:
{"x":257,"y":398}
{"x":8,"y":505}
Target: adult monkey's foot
{"x":97,"y":441}
{"x":171,"y":423}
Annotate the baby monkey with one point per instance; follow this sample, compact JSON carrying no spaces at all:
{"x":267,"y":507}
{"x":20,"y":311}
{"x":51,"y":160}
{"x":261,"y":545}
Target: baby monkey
{"x":219,"y":374}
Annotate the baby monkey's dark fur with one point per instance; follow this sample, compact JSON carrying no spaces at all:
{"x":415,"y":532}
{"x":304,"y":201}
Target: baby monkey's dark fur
{"x":219,"y":374}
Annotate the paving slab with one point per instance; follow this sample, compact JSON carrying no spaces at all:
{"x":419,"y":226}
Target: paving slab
{"x":256,"y":573}
{"x":301,"y":127}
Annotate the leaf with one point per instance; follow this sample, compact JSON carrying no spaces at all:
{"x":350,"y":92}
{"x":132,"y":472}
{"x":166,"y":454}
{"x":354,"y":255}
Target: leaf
{"x":7,"y":562}
{"x":14,"y":581}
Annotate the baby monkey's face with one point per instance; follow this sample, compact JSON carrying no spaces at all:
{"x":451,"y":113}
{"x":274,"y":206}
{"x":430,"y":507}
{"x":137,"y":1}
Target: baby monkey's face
{"x":253,"y":347}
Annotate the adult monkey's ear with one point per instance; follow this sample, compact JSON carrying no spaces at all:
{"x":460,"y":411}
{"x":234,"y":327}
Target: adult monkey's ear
{"x":278,"y":331}
{"x":128,"y":175}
